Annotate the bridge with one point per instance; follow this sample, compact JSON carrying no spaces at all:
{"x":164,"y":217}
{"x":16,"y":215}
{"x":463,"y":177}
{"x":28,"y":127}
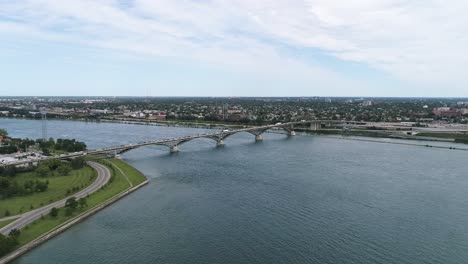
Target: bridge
{"x":219,"y":137}
{"x":174,"y":143}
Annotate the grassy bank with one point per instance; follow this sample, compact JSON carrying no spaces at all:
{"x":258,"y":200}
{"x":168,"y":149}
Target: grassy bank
{"x":116,"y":185}
{"x":460,"y":138}
{"x":135,"y":176}
{"x":426,"y":136}
{"x":362,"y":133}
{"x":58,"y":188}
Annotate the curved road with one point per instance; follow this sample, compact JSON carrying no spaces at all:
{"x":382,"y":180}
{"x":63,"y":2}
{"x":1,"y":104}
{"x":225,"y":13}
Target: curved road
{"x":103,"y":176}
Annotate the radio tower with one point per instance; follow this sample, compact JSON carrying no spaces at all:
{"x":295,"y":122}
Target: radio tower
{"x":44,"y":125}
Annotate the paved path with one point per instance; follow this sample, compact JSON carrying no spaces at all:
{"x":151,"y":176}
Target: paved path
{"x":103,"y":176}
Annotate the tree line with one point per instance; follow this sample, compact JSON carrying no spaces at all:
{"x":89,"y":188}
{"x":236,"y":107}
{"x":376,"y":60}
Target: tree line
{"x":10,"y":187}
{"x":12,"y":145}
{"x":8,"y":243}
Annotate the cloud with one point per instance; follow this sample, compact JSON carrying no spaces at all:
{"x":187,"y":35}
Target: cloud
{"x":416,"y":41}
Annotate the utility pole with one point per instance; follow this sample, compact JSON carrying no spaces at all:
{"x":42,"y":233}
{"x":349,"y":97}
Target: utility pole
{"x":44,"y":125}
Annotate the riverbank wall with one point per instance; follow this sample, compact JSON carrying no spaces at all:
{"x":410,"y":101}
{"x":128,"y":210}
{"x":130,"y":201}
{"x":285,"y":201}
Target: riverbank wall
{"x":61,"y":228}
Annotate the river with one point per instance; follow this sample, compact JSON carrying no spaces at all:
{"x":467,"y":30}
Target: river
{"x":303,"y":199}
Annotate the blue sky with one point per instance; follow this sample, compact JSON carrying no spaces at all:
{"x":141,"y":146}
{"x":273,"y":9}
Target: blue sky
{"x":233,"y":48}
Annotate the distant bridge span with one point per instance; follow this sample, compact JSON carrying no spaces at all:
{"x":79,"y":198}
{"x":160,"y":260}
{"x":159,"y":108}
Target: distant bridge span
{"x":174,"y":143}
{"x":219,"y":137}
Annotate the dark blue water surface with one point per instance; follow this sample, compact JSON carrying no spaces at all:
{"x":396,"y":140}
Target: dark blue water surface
{"x":304,"y":199}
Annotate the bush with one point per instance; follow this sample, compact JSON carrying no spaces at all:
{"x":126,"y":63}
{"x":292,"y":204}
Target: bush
{"x":77,"y":163}
{"x":7,"y":244}
{"x":71,"y":203}
{"x":53,"y":212}
{"x":14,"y":233}
{"x":64,"y":169}
{"x":42,"y":170}
{"x":41,"y":186}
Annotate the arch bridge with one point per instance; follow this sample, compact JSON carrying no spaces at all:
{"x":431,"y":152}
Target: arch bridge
{"x":174,"y":143}
{"x":219,"y":137}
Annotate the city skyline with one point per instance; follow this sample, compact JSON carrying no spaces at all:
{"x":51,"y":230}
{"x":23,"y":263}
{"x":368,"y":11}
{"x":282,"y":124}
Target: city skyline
{"x":215,"y":48}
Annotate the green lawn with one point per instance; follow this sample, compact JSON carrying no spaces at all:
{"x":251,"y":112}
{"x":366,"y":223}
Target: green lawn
{"x":117,"y":185}
{"x":134,"y":175}
{"x":4,"y":223}
{"x":444,"y":135}
{"x":58,"y":186}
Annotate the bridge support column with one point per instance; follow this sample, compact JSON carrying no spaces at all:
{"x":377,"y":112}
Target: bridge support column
{"x":258,"y":137}
{"x":220,"y":143}
{"x":174,"y":149}
{"x":291,"y":133}
{"x":315,"y":126}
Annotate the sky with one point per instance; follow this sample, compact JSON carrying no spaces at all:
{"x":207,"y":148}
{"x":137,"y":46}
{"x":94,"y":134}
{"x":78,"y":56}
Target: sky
{"x":414,"y":48}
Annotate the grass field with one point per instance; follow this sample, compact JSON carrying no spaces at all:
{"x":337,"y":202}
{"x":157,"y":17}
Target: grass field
{"x":118,"y":184}
{"x":135,"y":176}
{"x":58,"y":186}
{"x":444,"y":135}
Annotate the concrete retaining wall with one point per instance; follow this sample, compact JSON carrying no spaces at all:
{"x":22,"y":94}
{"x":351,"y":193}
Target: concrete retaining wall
{"x":36,"y":242}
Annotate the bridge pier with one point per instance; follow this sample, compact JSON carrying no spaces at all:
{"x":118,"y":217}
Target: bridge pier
{"x":220,"y":143}
{"x":291,"y":133}
{"x":315,"y":126}
{"x":258,"y":137}
{"x":174,"y":149}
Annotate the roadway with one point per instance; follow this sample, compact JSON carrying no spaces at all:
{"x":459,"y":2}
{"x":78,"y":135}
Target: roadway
{"x":103,"y":176}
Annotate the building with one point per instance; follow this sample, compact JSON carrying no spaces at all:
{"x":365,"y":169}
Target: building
{"x":446,"y":112}
{"x":161,"y":116}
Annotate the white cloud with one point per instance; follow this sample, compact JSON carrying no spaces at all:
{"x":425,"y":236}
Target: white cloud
{"x":417,"y":41}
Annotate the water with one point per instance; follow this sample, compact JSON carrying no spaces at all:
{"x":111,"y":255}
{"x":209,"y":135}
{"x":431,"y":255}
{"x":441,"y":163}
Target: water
{"x":285,"y":200}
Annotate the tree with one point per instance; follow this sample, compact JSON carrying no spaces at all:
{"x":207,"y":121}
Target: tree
{"x":77,"y":163}
{"x":54,"y":212}
{"x":7,"y":244}
{"x":64,"y":169}
{"x":14,"y":233}
{"x":42,"y":170}
{"x":8,"y":171}
{"x":53,"y":164}
{"x":41,"y":186}
{"x":3,"y":132}
{"x":45,"y":151}
{"x":8,"y":149}
{"x":71,"y":203}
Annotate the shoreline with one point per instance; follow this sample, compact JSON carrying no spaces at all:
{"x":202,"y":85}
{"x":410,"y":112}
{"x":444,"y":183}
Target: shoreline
{"x":188,"y":124}
{"x":395,"y":143}
{"x":144,"y":122}
{"x":66,"y":225}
